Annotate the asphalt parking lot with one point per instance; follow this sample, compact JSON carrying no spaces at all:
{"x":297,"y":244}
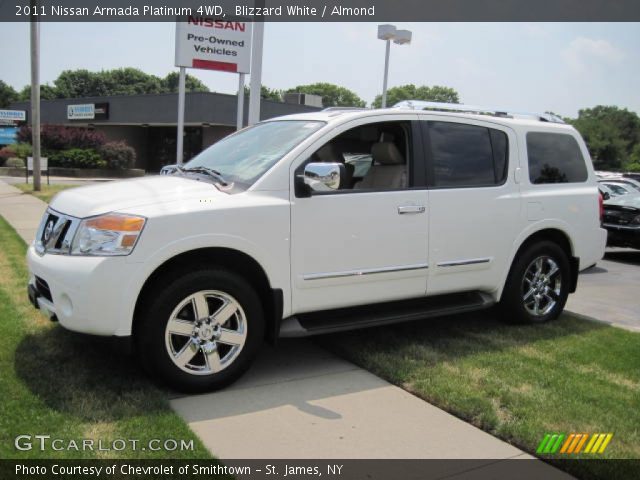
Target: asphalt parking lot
{"x":610,"y":291}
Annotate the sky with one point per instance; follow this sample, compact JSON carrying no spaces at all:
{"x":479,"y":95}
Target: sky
{"x":536,"y":67}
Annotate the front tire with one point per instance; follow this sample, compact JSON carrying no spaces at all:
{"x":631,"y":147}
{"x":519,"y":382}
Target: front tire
{"x":202,"y":331}
{"x":537,"y":287}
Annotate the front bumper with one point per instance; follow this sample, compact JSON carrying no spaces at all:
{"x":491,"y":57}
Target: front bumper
{"x":85,"y":294}
{"x":623,"y":236}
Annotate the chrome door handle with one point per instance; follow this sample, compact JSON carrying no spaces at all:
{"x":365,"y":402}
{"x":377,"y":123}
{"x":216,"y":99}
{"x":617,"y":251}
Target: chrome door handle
{"x":413,"y":209}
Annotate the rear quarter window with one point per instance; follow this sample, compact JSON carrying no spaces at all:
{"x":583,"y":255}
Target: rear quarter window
{"x":555,"y":158}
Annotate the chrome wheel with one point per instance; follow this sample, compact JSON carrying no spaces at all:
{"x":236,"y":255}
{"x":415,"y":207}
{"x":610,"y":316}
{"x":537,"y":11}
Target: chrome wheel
{"x":206,"y":332}
{"x":541,"y":286}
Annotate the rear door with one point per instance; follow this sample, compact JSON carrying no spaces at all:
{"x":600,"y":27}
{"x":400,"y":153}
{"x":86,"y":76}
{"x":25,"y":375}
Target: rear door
{"x":474,"y":202}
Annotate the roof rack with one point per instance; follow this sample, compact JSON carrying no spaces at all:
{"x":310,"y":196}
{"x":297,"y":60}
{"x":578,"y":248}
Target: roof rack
{"x":342,"y":109}
{"x":495,"y":112}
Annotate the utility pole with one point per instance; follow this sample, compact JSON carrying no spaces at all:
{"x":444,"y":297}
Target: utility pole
{"x":255,"y":83}
{"x":35,"y":95}
{"x":180,"y":133}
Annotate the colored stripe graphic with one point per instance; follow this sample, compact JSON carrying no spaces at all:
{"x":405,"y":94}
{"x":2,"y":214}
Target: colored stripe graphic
{"x":543,"y":443}
{"x":573,"y":443}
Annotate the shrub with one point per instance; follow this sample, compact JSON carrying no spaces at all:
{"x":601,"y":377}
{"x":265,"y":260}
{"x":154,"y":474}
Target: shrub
{"x":57,"y":137}
{"x":118,"y":155}
{"x":6,"y":153}
{"x":14,"y":162}
{"x":22,"y":150}
{"x":77,"y":158}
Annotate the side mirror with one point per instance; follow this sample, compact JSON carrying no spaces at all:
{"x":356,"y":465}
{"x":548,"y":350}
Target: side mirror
{"x":606,"y":196}
{"x":321,"y":177}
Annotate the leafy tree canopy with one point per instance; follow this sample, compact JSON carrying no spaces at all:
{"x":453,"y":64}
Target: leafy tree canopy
{"x":612,"y":135}
{"x":267,"y":93}
{"x":424,"y":92}
{"x":192,"y":84}
{"x":332,"y":95}
{"x":120,"y":81}
{"x":8,"y":94}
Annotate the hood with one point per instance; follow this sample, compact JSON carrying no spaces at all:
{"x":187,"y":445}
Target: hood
{"x":127,"y":195}
{"x":631,"y":200}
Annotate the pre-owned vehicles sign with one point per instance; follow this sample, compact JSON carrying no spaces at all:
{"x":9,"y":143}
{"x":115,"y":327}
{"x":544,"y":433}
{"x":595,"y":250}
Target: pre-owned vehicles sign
{"x":213,"y":44}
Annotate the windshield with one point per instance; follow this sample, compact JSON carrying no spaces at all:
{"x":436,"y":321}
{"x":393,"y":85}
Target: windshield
{"x":242,"y":158}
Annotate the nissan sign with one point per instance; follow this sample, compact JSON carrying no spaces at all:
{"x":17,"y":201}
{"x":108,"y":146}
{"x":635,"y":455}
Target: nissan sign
{"x":213,"y":44}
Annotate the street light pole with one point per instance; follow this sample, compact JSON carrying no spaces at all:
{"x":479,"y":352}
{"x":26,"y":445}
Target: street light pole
{"x":35,"y":97}
{"x":386,"y":74}
{"x":400,"y":37}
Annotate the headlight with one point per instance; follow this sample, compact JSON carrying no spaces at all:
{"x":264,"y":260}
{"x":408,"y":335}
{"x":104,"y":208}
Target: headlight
{"x":107,"y":235}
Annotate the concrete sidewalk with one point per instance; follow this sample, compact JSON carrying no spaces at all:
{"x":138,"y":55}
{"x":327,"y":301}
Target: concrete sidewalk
{"x":22,"y":211}
{"x":300,"y":401}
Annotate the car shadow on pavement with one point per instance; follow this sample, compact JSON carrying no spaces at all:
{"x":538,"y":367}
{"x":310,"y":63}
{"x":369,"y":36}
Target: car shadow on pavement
{"x":306,"y":374}
{"x":85,"y":376}
{"x":631,"y":257}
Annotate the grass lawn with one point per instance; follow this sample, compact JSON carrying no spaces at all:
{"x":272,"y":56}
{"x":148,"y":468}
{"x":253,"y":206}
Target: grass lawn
{"x":47,"y":192}
{"x":69,"y":386}
{"x":517,"y":382}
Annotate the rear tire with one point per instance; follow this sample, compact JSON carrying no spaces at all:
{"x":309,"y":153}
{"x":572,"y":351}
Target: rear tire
{"x":201,"y":331}
{"x":537,"y":287}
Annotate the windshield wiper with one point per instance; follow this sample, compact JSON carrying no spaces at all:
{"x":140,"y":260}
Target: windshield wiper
{"x":208,"y":171}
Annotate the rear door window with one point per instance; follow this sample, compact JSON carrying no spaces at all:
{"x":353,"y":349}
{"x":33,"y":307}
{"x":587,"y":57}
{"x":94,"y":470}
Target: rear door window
{"x":467,"y":155}
{"x":555,"y":158}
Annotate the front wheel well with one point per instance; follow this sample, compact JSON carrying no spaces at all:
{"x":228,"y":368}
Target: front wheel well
{"x":561,"y":239}
{"x":226,"y":258}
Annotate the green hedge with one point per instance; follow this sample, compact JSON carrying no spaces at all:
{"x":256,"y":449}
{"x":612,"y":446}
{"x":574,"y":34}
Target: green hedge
{"x":77,"y":158}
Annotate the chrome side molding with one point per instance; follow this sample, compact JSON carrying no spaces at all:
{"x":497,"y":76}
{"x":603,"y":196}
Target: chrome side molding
{"x":364,"y":271}
{"x":458,"y":263}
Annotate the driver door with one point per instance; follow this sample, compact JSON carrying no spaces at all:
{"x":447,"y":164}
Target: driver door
{"x":358,"y":246}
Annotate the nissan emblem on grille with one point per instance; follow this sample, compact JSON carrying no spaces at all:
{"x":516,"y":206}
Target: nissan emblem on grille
{"x":48,"y":230}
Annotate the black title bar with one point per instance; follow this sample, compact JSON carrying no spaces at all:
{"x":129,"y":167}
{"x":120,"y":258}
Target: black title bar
{"x":322,"y":10}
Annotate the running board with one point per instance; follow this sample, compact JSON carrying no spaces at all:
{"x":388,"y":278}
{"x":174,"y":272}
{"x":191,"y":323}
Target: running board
{"x":329,"y":321}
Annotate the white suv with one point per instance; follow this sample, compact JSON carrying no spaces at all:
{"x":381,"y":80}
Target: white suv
{"x":322,"y":222}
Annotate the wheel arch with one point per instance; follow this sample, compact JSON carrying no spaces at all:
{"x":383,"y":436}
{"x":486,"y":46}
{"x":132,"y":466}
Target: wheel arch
{"x":228,"y":258}
{"x":550,"y":233}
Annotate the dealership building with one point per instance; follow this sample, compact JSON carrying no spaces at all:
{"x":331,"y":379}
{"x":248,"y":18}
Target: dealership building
{"x":148,"y":123}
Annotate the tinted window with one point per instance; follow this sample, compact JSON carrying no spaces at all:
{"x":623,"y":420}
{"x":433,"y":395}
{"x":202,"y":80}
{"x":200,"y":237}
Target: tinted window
{"x":555,"y":158}
{"x":467,"y":155}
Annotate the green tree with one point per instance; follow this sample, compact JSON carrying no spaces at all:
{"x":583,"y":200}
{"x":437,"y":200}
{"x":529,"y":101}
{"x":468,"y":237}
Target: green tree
{"x":267,"y":93}
{"x":192,"y":84}
{"x":332,"y":95}
{"x":8,"y":94}
{"x":424,"y":92}
{"x":47,"y":92}
{"x":612,"y":135}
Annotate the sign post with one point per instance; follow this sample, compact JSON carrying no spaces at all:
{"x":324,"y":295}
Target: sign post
{"x":256,"y":74}
{"x":180,"y":134}
{"x":35,"y":97}
{"x":211,"y":44}
{"x":240,"y":114}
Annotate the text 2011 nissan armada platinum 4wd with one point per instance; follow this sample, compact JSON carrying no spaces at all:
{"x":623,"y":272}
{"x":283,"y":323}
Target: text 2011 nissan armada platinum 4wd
{"x":321,"y":222}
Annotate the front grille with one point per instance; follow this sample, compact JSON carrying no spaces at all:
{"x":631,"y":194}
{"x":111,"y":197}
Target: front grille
{"x":619,"y":216}
{"x":55,"y":233}
{"x":43,"y":289}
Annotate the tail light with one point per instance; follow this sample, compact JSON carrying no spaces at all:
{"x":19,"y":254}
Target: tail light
{"x":601,"y":205}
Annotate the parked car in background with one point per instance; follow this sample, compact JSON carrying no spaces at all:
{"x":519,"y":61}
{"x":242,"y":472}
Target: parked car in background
{"x":630,"y":182}
{"x":622,"y":221}
{"x":618,"y":188}
{"x":605,"y":191}
{"x":169,"y":169}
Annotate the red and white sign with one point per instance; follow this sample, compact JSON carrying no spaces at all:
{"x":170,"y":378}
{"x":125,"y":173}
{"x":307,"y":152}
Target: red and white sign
{"x":212,"y":44}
